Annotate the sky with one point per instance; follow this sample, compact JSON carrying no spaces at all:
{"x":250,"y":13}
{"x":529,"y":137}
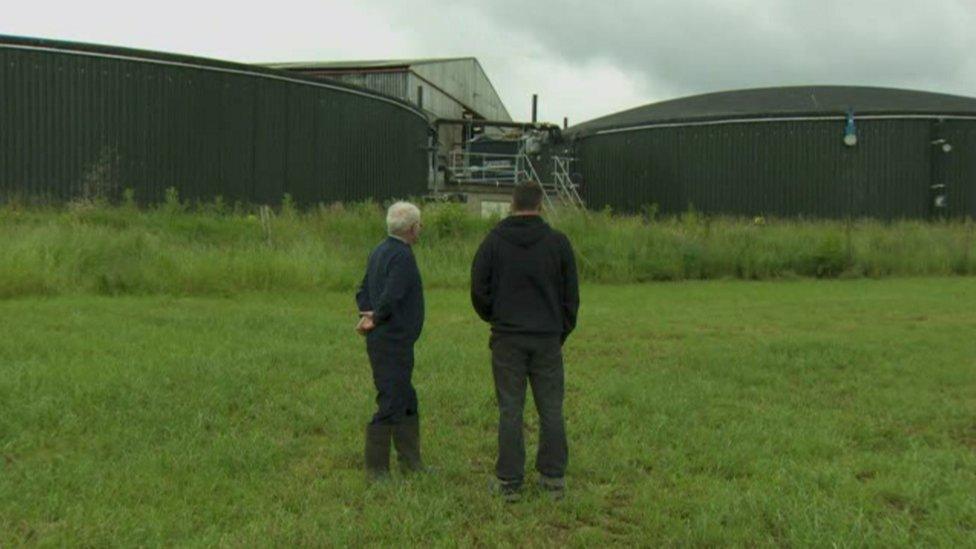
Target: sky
{"x":584,"y":58}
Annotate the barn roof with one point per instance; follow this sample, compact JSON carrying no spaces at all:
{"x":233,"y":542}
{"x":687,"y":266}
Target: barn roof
{"x":364,"y":64}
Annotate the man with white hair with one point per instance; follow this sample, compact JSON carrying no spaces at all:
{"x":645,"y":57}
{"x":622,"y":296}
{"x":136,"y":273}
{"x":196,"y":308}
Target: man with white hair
{"x":391,"y":316}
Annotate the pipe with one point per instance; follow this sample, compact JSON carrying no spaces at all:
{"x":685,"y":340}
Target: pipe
{"x":495,"y":123}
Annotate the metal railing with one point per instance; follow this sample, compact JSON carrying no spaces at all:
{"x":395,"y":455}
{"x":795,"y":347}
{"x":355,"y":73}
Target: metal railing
{"x":497,"y":169}
{"x":485,"y":168}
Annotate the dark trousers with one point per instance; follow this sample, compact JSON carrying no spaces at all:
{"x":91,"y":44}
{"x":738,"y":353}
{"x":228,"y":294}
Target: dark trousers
{"x":515,"y":359}
{"x":392,"y":363}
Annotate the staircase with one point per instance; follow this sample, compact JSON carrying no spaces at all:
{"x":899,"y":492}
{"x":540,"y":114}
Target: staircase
{"x":565,"y":188}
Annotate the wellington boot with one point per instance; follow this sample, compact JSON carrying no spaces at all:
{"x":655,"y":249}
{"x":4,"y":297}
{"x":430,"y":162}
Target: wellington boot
{"x":378,"y":451}
{"x":406,"y":438}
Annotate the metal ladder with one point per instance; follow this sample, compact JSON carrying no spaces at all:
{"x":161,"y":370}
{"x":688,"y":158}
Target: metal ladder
{"x":564,"y":183}
{"x":525,"y":171}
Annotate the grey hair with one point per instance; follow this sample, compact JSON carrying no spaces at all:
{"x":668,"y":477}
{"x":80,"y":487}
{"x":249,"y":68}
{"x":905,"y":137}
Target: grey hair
{"x":400,"y":217}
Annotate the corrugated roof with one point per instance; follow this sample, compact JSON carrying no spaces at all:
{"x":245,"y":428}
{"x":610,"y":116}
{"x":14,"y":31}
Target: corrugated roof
{"x":365,"y":64}
{"x":780,"y":102}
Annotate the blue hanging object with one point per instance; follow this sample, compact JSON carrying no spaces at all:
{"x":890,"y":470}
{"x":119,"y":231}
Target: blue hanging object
{"x":850,"y":131}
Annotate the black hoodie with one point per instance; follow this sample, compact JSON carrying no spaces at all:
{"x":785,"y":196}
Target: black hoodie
{"x":523,"y":279}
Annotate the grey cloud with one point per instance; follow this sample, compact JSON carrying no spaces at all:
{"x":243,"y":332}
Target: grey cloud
{"x":697,"y":47}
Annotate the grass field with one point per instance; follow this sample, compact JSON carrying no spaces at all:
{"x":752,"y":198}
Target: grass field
{"x":803,"y":413}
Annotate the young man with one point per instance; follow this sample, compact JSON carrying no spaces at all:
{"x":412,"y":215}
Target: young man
{"x":391,"y":310}
{"x":524,"y":282}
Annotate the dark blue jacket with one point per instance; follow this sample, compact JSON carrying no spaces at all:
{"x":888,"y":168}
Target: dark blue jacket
{"x":392,"y":289}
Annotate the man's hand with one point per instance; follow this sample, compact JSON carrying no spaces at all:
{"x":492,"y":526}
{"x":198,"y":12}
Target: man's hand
{"x":365,"y":324}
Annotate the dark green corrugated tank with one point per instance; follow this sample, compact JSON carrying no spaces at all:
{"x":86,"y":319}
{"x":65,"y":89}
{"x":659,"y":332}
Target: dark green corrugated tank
{"x":79,"y":120}
{"x":784,"y":168}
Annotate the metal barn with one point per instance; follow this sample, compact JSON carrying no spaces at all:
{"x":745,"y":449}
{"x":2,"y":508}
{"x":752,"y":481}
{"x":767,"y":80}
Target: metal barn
{"x":444,"y":88}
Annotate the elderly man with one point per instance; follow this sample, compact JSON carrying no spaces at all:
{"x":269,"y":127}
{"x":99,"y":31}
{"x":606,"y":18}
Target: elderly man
{"x":391,"y":310}
{"x":524,"y":282}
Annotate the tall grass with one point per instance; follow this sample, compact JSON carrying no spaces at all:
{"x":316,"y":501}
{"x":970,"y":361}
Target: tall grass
{"x":213,"y":249}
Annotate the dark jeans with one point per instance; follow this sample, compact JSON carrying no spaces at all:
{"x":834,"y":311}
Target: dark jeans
{"x":515,"y":359}
{"x":392,"y":363}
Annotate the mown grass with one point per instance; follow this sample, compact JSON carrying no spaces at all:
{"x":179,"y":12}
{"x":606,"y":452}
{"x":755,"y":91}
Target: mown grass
{"x":800,"y":413}
{"x":216,"y":250}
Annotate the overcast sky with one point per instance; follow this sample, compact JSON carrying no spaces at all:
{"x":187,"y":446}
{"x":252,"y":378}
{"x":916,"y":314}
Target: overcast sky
{"x":584,"y":58}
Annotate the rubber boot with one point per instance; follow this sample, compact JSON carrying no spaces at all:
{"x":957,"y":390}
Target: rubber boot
{"x":406,"y":438}
{"x":378,"y":451}
{"x":555,"y":487}
{"x":509,"y":491}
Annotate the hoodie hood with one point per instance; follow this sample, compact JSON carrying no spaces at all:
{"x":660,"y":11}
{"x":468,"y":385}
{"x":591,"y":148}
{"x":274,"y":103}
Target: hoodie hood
{"x":522,"y":230}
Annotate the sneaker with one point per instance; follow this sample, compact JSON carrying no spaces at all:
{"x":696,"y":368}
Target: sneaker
{"x":509,"y":491}
{"x":555,"y":487}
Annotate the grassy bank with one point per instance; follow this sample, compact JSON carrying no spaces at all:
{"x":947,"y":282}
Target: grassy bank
{"x":216,"y":250}
{"x":809,"y":413}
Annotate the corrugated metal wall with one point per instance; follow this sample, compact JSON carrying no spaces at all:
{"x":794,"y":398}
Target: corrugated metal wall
{"x":97,"y":121}
{"x":460,"y":81}
{"x":785,"y":168}
{"x":959,"y":166}
{"x":392,"y":83}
